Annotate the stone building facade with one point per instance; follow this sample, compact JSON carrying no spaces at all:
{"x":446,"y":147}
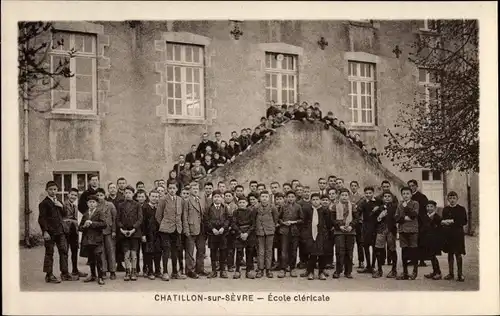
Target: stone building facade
{"x":144,"y":91}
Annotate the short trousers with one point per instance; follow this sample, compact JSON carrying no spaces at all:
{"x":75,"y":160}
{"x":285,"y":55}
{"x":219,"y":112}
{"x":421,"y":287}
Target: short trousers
{"x":384,"y":238}
{"x":130,"y":244}
{"x":408,"y":240}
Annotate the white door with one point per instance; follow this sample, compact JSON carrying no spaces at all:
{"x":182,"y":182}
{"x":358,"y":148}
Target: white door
{"x":433,"y":186}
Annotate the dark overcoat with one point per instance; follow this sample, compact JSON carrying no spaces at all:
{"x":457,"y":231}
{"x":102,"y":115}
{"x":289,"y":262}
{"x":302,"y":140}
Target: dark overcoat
{"x":322,"y":245}
{"x":453,"y":235}
{"x":431,"y":237}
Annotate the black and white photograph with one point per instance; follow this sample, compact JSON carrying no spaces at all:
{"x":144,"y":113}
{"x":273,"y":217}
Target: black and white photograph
{"x":172,"y":158}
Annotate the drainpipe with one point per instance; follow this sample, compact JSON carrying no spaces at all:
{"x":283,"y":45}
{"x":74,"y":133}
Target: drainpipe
{"x":27,"y":210}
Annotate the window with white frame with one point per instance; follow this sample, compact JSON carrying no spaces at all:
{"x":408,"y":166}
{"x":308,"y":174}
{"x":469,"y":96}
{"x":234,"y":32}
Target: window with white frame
{"x":428,"y":88}
{"x":429,"y":25}
{"x":433,"y":185}
{"x":281,"y":78}
{"x":78,"y":93}
{"x":185,"y":81}
{"x":362,"y":93}
{"x":67,"y":180}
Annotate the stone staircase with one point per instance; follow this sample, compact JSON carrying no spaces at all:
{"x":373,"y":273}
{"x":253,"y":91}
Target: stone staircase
{"x":305,"y":151}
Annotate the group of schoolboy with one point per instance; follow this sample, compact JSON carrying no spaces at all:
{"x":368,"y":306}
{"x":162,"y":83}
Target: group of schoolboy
{"x":207,"y":156}
{"x":269,"y":226}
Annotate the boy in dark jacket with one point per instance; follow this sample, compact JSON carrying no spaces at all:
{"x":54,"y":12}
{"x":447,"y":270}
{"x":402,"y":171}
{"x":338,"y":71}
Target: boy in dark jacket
{"x":243,"y":223}
{"x":152,"y":249}
{"x":256,"y":136}
{"x":128,"y":222}
{"x":407,"y":218}
{"x":386,"y":235}
{"x":345,"y":217}
{"x":217,"y":230}
{"x":267,"y":217}
{"x":244,"y":140}
{"x":316,"y":235}
{"x":453,"y":221}
{"x":290,"y":220}
{"x":50,"y":219}
{"x":92,"y":224}
{"x":431,"y":236}
{"x":368,"y":212}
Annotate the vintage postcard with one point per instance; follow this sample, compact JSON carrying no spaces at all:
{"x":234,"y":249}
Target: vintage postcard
{"x":248,"y":158}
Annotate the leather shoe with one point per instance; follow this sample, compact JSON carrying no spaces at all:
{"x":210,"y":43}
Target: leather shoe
{"x":165,"y":277}
{"x":236,"y":275}
{"x":52,"y":279}
{"x":223,"y":275}
{"x":192,"y":275}
{"x":212,"y":275}
{"x":322,"y":276}
{"x":310,"y":276}
{"x":100,"y":281}
{"x":203,"y":273}
{"x":112,"y":276}
{"x":90,"y":279}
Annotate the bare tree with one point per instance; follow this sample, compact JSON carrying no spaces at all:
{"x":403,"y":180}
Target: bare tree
{"x":440,"y":129}
{"x":36,"y":74}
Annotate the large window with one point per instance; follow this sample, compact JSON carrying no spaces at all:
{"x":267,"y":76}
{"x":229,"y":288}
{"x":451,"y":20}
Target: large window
{"x":428,"y":88}
{"x":68,"y":180}
{"x":185,"y":81}
{"x":429,"y":25}
{"x":362,"y":93}
{"x":281,"y":78}
{"x":76,"y":94}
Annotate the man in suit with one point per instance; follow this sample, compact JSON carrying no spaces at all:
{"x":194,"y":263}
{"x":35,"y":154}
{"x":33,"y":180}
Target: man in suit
{"x":70,"y":221}
{"x":91,"y":190}
{"x":169,"y":216}
{"x":323,"y":190}
{"x":116,"y":199}
{"x":50,"y":219}
{"x":203,"y":145}
{"x":422,"y":200}
{"x":194,"y":230}
{"x":179,"y":166}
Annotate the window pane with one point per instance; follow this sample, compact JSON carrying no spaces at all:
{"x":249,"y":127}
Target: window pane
{"x":363,"y":102}
{"x":189,"y":53}
{"x":58,"y":180}
{"x":355,"y":117}
{"x":61,"y":41}
{"x":274,"y":61}
{"x":170,"y":106}
{"x":436,"y":176}
{"x":196,"y":92}
{"x":61,"y":99}
{"x":177,"y":88}
{"x":291,"y":96}
{"x":67,"y":182}
{"x":368,"y":88}
{"x":362,"y":88}
{"x":368,"y":116}
{"x":422,"y":75}
{"x":268,"y":95}
{"x":177,"y":52}
{"x":196,"y":54}
{"x":170,"y":52}
{"x":88,"y":42}
{"x":274,"y":81}
{"x":368,"y":70}
{"x":197,"y":75}
{"x":81,"y":182}
{"x":58,"y":62}
{"x":291,"y":63}
{"x":284,"y":81}
{"x":363,"y":116}
{"x":274,"y":96}
{"x":79,"y":42}
{"x":178,"y":107}
{"x":355,"y":87}
{"x":355,"y":102}
{"x":425,"y":175}
{"x":83,"y":66}
{"x":170,"y":73}
{"x":177,"y":71}
{"x":189,"y":74}
{"x":284,"y":96}
{"x":170,"y":90}
{"x":189,"y":91}
{"x":368,"y":102}
{"x":84,"y":101}
{"x":83,"y":83}
{"x":291,"y":82}
{"x":362,"y":69}
{"x":268,"y":80}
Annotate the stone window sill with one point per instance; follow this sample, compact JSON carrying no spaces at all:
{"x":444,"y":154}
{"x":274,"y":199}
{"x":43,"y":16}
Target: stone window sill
{"x":183,"y":121}
{"x":363,"y":128}
{"x":72,"y":116}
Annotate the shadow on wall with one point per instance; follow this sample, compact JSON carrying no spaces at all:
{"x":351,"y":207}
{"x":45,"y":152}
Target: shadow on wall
{"x":305,"y":151}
